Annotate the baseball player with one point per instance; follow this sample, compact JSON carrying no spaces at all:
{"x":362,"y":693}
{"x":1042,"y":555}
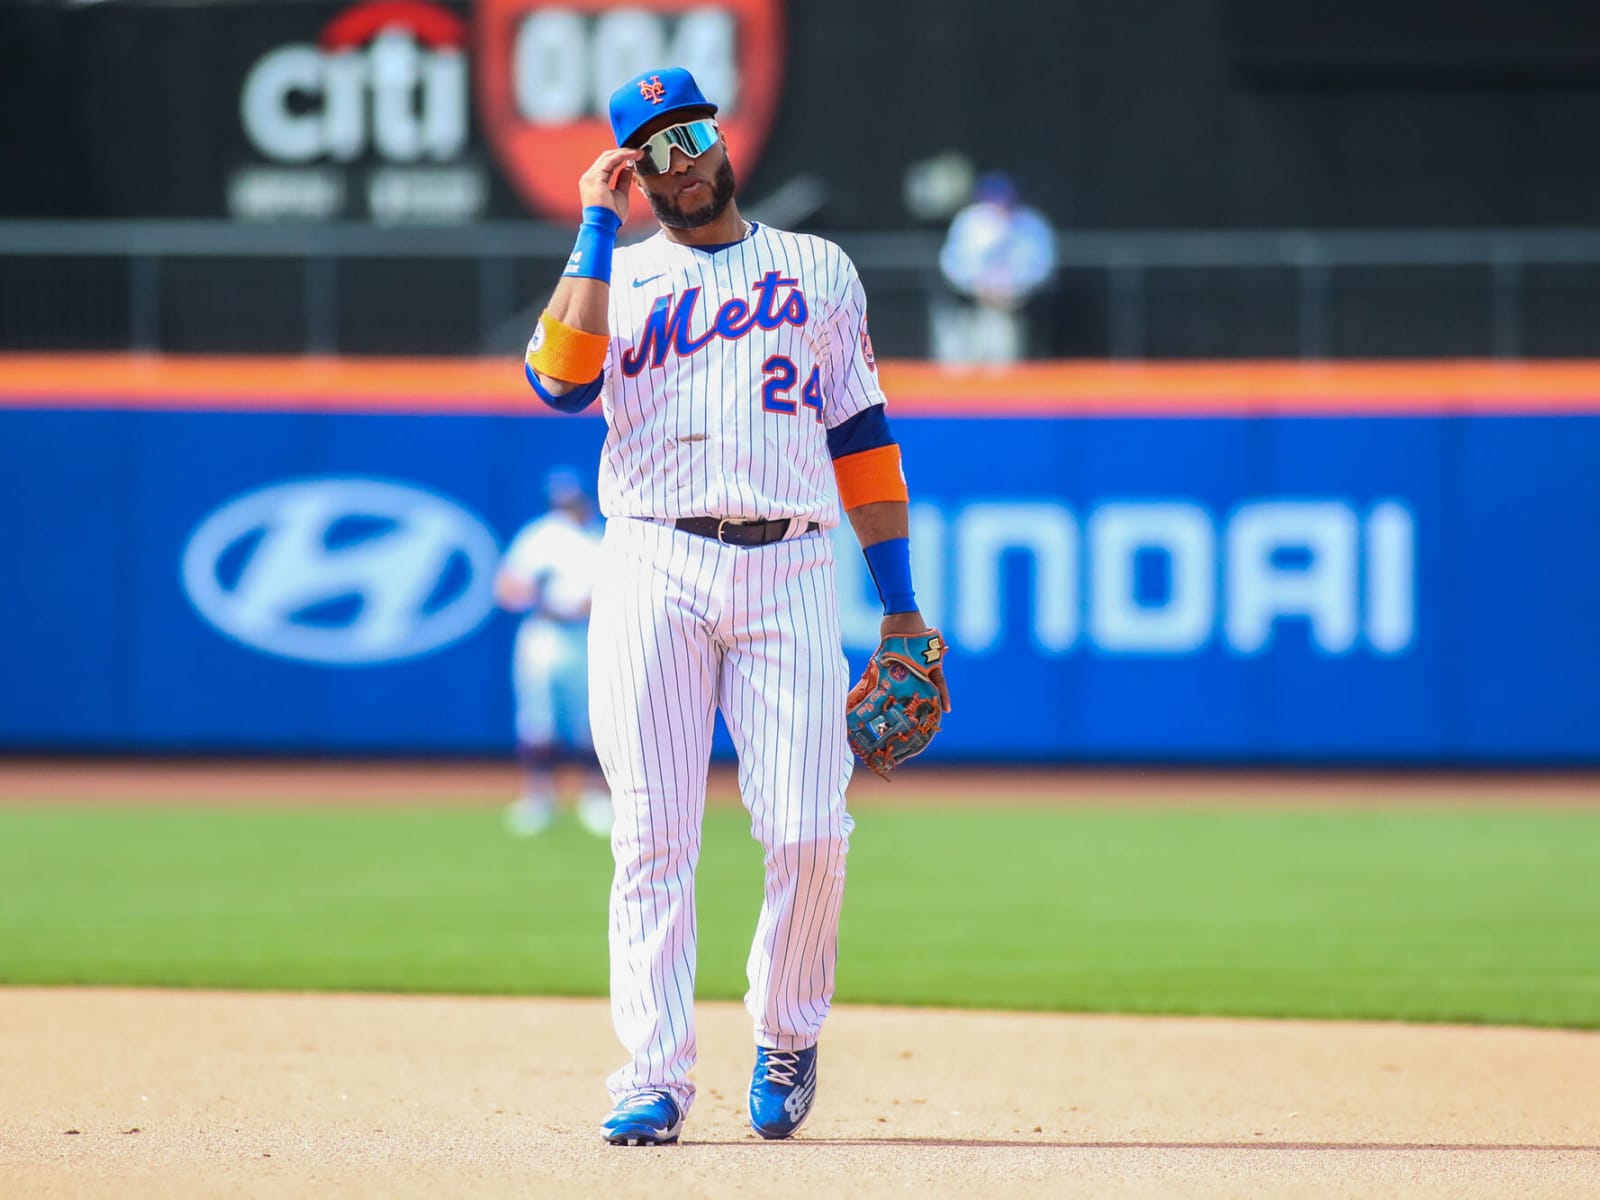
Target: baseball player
{"x":743,"y":412}
{"x":548,"y":574}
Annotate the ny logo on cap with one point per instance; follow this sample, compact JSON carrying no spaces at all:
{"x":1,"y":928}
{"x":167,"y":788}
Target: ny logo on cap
{"x":652,"y":89}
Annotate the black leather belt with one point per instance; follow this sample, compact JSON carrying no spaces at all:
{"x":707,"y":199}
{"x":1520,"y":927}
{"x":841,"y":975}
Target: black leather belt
{"x":732,"y":531}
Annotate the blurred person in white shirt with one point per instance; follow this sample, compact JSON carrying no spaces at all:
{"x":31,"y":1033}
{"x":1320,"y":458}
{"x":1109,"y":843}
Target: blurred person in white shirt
{"x":998,"y":253}
{"x":548,"y":575}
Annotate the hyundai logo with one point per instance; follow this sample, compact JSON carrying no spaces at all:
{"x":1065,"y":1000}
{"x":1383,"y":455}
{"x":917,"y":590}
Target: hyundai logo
{"x":341,"y":571}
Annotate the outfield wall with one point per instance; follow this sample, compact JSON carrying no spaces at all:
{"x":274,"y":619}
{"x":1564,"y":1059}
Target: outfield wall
{"x":1239,"y":563}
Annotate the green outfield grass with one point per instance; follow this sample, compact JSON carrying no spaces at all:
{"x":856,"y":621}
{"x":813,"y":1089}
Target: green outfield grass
{"x":1470,"y":915}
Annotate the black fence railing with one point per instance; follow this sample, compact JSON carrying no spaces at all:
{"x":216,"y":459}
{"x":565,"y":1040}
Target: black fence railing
{"x":220,"y":287}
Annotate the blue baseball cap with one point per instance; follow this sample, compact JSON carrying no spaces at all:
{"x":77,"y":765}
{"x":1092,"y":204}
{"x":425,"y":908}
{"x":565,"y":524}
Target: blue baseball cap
{"x":645,"y":97}
{"x":997,"y":188}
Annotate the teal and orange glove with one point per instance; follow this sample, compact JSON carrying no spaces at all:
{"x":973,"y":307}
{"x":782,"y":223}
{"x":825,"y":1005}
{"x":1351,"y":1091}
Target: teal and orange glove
{"x":895,"y":708}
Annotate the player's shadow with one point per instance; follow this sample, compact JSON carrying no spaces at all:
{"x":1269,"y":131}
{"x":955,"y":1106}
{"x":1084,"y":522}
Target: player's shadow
{"x":935,"y":1143}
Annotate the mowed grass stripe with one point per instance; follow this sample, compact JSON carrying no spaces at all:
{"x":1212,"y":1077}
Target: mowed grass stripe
{"x":1439,"y":914}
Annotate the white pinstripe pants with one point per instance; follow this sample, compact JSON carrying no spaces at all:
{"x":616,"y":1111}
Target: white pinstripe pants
{"x":680,"y":625}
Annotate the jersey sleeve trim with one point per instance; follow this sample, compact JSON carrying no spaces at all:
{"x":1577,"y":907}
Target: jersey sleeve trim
{"x":578,"y":399}
{"x":866,"y":430}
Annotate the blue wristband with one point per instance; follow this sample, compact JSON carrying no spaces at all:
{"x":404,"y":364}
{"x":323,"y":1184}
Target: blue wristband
{"x":890,"y":564}
{"x":597,"y":238}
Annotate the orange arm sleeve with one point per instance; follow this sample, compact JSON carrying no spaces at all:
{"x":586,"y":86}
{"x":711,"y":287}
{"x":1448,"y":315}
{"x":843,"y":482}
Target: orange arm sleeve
{"x":562,"y":352}
{"x":870,"y":476}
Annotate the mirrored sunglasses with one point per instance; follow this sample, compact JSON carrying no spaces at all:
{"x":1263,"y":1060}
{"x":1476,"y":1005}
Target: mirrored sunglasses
{"x":694,"y":138}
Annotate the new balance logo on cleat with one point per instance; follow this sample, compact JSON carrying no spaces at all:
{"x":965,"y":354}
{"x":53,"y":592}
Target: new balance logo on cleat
{"x":781,"y":1090}
{"x":798,"y":1102}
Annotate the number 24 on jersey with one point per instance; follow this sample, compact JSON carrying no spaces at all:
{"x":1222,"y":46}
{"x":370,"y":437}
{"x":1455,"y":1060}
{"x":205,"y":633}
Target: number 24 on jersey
{"x":781,"y":375}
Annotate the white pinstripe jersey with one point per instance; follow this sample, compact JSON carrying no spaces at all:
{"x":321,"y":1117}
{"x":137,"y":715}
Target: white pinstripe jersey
{"x":725,"y":371}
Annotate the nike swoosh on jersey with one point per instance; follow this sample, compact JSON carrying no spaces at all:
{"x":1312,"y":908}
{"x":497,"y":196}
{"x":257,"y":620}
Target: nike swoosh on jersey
{"x":652,"y":279}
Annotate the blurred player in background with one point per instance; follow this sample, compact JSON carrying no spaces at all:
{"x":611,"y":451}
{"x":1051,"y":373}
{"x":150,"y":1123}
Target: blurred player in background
{"x":997,"y":254}
{"x":548,"y":573}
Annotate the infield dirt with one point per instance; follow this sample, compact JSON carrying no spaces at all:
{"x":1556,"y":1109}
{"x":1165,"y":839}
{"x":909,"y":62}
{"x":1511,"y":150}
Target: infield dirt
{"x":134,"y":1094}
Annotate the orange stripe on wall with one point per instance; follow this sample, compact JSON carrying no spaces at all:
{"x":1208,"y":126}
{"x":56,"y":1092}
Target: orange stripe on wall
{"x":92,"y":381}
{"x":266,"y":384}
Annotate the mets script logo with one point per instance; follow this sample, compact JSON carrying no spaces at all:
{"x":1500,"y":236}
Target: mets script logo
{"x":652,"y":89}
{"x":342,"y":571}
{"x":667,"y":328}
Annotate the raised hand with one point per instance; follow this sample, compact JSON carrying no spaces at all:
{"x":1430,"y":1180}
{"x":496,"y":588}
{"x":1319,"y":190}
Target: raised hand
{"x":609,"y":180}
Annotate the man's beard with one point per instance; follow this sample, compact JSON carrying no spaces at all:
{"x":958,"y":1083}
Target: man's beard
{"x":722,"y":188}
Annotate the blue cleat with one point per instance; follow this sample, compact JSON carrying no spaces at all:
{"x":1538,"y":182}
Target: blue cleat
{"x":781,"y":1090}
{"x":643,"y":1119}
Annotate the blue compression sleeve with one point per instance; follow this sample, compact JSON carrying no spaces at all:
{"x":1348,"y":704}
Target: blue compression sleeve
{"x":867,"y":430}
{"x":578,"y":399}
{"x":890,"y":564}
{"x":597,"y":238}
